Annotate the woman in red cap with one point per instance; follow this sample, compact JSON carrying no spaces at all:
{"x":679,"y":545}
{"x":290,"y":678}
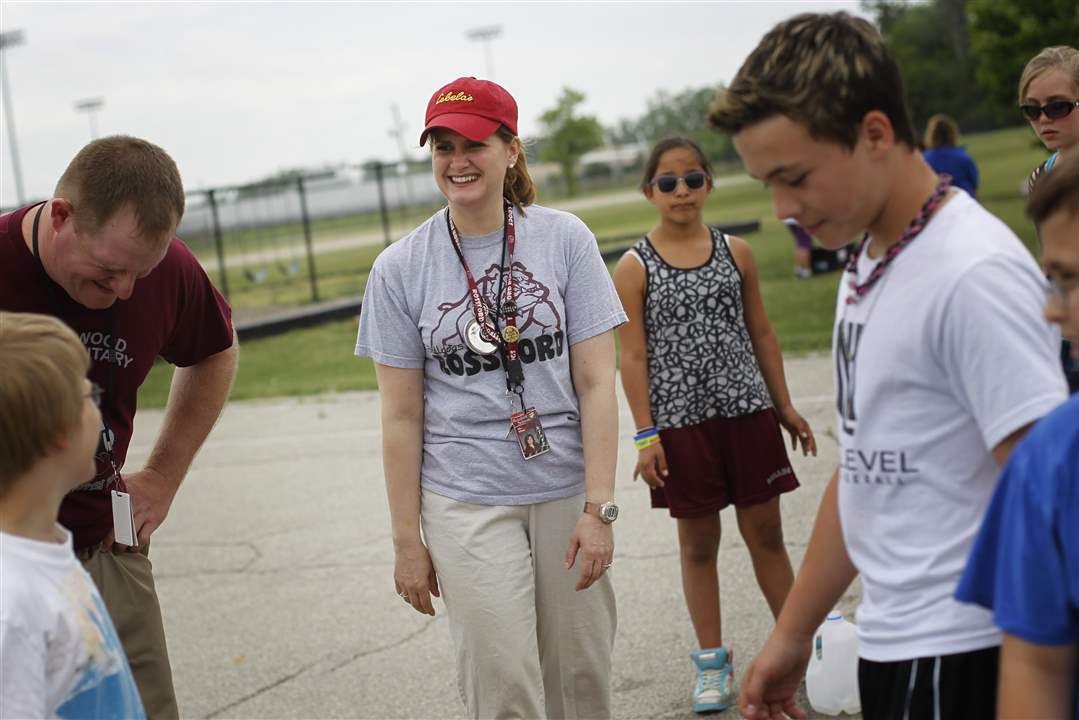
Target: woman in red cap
{"x":490,"y":326}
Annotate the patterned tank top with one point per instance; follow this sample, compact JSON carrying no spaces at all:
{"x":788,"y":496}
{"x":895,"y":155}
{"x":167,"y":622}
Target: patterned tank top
{"x":700,"y":357}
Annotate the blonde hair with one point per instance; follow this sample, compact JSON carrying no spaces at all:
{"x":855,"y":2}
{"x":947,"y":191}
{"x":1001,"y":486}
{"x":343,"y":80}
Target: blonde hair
{"x":43,"y":368}
{"x":518,"y":187}
{"x":823,"y":71}
{"x":119,"y":171}
{"x":1058,"y":57}
{"x":941,"y":131}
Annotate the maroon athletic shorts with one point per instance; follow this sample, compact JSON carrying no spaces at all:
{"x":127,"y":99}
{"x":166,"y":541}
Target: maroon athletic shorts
{"x":740,"y":460}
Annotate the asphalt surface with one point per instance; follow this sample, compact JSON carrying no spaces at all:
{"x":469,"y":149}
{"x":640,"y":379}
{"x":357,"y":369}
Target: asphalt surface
{"x":274,"y":570}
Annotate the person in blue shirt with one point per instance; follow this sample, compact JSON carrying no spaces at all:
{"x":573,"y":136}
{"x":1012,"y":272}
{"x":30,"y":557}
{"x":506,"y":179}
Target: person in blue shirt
{"x":947,"y":157}
{"x":1024,"y":565}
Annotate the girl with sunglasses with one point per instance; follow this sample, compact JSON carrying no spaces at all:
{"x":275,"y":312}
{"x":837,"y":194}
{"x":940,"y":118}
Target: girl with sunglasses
{"x":1049,"y":100}
{"x":703,"y":375}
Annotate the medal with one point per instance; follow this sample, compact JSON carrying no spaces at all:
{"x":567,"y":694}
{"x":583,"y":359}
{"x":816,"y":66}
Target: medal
{"x":477,"y":340}
{"x":510,"y":333}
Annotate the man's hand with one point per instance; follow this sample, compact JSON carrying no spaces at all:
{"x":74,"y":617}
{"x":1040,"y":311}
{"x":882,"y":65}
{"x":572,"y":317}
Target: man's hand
{"x":151,"y":497}
{"x":595,"y":541}
{"x":773,"y":677}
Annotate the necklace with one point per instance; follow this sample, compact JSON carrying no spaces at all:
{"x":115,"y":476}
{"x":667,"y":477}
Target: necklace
{"x":858,"y":291}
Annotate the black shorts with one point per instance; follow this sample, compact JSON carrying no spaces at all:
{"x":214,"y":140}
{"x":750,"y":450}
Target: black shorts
{"x":739,"y":460}
{"x":948,"y":687}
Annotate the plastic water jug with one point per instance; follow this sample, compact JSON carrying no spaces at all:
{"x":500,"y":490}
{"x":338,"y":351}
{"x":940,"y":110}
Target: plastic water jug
{"x":832,"y":676}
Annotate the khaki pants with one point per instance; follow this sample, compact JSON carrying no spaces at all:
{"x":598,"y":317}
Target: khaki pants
{"x":126,"y":583}
{"x":528,"y":645}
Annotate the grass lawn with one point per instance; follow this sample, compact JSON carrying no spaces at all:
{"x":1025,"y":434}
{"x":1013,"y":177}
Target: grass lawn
{"x":320,"y":359}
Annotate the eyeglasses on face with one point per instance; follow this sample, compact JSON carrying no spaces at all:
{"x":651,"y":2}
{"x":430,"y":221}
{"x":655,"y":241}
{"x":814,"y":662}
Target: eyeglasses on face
{"x":1061,"y":289}
{"x":1053,"y":110}
{"x":667,"y":183}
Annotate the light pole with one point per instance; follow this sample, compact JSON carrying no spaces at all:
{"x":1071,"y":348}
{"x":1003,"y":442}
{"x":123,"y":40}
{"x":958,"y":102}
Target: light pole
{"x":90,"y":106}
{"x":8,"y":39}
{"x":485,"y":35}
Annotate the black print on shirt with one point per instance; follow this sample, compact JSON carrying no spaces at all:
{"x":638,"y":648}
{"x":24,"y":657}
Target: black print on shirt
{"x":846,"y":355}
{"x":536,"y":313}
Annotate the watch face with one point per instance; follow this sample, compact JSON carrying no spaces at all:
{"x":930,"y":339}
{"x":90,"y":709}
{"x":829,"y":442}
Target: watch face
{"x":608,"y":512}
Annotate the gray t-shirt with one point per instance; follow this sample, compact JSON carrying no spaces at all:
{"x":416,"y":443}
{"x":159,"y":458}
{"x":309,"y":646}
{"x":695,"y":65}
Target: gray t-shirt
{"x":415,"y":311}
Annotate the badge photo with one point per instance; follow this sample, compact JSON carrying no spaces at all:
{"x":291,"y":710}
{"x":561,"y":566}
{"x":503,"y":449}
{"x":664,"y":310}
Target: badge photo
{"x":530,"y":435}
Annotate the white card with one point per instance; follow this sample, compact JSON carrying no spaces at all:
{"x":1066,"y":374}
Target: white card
{"x":123,"y":524}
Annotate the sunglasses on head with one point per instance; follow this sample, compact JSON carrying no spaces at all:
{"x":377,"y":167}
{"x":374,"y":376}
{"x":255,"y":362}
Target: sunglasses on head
{"x":667,"y":183}
{"x":1053,"y":110}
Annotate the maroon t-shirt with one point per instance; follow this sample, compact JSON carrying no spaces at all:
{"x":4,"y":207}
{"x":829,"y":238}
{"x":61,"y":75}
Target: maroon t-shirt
{"x":174,"y":312}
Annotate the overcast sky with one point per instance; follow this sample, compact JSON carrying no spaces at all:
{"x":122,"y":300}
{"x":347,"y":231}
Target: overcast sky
{"x":237,"y":91}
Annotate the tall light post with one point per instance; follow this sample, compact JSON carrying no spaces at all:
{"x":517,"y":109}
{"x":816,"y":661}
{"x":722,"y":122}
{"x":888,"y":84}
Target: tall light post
{"x":11,"y":38}
{"x":90,"y":106}
{"x":485,"y":35}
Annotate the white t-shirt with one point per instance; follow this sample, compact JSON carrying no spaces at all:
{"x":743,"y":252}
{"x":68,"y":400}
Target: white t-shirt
{"x":415,"y":312}
{"x":943,"y":359}
{"x":59,"y":653}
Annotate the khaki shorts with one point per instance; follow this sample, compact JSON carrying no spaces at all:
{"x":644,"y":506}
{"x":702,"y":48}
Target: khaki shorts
{"x":527,"y":644}
{"x":126,"y":583}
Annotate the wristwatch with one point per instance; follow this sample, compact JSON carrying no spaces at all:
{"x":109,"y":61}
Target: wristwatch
{"x":607,"y":512}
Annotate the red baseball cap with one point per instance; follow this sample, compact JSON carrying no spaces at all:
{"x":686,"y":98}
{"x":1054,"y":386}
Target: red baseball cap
{"x":473,"y":108}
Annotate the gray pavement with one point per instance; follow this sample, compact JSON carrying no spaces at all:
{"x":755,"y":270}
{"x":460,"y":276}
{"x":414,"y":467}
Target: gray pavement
{"x":275,"y":571}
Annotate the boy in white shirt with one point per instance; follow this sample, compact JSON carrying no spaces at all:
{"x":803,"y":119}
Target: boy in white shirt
{"x":942,"y":361}
{"x":59,"y":653}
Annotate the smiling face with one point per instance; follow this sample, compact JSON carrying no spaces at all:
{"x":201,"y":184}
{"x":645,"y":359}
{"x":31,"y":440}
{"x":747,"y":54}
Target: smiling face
{"x":1054,"y":84}
{"x":1060,"y":258}
{"x":99,"y":267}
{"x":833,"y":192}
{"x":683,"y":204}
{"x":470,"y":173}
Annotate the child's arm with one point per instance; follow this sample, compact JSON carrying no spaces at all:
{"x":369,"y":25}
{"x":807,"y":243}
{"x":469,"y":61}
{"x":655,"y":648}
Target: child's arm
{"x":1035,"y":680}
{"x":766,"y":348}
{"x":22,"y":673}
{"x":630,"y":281}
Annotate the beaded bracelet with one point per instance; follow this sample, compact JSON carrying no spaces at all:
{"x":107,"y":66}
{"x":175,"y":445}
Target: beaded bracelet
{"x":646,"y":437}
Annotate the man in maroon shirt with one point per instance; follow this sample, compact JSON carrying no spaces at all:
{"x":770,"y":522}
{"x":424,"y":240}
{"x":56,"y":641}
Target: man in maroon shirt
{"x":102,"y":256}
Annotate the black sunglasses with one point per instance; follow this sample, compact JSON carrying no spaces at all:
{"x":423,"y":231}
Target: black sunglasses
{"x":1053,"y":110}
{"x":667,"y":183}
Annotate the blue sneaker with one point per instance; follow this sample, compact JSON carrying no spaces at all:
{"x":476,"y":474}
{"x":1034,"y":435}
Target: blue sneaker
{"x":715,"y":680}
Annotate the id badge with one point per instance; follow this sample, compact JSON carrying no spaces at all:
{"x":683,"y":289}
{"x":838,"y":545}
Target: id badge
{"x":123,"y":524}
{"x":529,"y":431}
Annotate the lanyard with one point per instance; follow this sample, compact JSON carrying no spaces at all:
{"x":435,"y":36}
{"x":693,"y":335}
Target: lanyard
{"x":858,"y":291}
{"x":508,"y":308}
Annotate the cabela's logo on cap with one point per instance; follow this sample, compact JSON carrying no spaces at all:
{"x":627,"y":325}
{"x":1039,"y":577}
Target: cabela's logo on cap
{"x":453,"y":97}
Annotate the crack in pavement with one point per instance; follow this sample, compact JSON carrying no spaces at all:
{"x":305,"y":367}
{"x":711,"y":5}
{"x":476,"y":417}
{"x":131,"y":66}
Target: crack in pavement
{"x":337,"y":665}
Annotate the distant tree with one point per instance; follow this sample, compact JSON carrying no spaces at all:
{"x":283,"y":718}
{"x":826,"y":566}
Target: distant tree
{"x":685,"y":114}
{"x":568,"y":136}
{"x":1005,"y":34}
{"x":931,"y":43}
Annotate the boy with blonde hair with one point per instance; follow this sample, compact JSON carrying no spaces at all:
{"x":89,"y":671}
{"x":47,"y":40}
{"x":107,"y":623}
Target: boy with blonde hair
{"x":942,"y":361}
{"x":60,"y":653}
